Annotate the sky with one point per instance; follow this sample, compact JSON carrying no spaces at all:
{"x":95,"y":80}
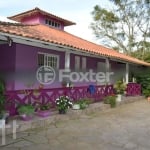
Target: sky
{"x":78,"y":11}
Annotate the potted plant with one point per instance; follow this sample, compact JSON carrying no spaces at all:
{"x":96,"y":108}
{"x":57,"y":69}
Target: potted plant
{"x":3,"y":113}
{"x":120,"y":88}
{"x":81,"y":104}
{"x":63,"y":103}
{"x":44,"y":110}
{"x":76,"y":106}
{"x":26,"y":112}
{"x":111,"y":99}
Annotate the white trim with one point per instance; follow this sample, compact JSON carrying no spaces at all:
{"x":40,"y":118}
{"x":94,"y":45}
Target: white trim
{"x":127,"y":73}
{"x":77,"y":62}
{"x":67,"y":60}
{"x":84,"y":62}
{"x":51,"y":55}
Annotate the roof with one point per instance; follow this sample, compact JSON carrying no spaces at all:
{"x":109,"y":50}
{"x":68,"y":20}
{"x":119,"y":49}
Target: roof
{"x":63,"y":38}
{"x":36,"y":10}
{"x":5,"y":19}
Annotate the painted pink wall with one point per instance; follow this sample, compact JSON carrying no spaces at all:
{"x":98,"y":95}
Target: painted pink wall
{"x":40,"y":19}
{"x":7,"y":64}
{"x":27,"y":65}
{"x":31,"y":20}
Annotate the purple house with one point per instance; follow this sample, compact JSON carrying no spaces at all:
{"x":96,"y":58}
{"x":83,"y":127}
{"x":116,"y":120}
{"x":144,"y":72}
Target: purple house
{"x":39,"y":39}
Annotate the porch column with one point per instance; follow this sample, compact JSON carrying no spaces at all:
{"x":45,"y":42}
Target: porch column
{"x":67,"y":60}
{"x":67,"y":67}
{"x":127,"y":73}
{"x":107,"y":70}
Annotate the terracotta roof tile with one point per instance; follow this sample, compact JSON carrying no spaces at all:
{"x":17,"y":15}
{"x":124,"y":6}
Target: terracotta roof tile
{"x":47,"y":34}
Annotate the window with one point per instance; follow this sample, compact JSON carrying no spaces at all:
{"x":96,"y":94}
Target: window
{"x":50,"y":60}
{"x":80,"y":64}
{"x":46,"y":21}
{"x":52,"y":23}
{"x":83,"y":63}
{"x":77,"y":62}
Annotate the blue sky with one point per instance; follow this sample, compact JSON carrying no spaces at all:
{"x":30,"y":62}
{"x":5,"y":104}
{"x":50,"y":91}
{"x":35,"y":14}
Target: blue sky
{"x":74,"y":10}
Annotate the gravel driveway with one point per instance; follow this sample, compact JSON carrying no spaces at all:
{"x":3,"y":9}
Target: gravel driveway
{"x":126,"y":127}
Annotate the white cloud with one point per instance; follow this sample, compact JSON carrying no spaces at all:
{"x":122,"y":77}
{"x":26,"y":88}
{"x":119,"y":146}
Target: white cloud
{"x":5,"y":19}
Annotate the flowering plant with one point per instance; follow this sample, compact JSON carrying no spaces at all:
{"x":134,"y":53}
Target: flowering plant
{"x":63,"y":103}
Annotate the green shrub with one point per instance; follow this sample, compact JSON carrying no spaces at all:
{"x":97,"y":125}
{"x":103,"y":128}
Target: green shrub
{"x":110,"y":100}
{"x":84,"y":103}
{"x":144,"y":80}
{"x":26,"y":109}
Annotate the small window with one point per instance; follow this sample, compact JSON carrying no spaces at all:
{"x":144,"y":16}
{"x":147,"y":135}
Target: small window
{"x":46,"y":21}
{"x":50,"y":60}
{"x":40,"y":59}
{"x":58,"y":25}
{"x":52,"y":23}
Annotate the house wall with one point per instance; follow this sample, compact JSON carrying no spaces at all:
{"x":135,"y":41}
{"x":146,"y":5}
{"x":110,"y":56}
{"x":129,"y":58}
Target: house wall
{"x":31,"y":20}
{"x":27,"y":65}
{"x":91,"y":64}
{"x":19,"y":63}
{"x":7,"y":64}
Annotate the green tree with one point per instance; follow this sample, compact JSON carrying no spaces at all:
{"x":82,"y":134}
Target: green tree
{"x":125,"y":27}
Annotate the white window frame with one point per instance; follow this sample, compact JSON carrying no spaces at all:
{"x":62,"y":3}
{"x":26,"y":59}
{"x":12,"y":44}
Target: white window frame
{"x":84,"y":63}
{"x":49,"y":55}
{"x":77,"y":63}
{"x":52,"y":23}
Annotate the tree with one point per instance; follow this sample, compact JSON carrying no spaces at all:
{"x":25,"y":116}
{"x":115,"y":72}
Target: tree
{"x":125,"y":27}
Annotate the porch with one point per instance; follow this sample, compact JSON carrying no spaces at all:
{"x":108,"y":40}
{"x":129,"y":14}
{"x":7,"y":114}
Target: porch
{"x":17,"y":97}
